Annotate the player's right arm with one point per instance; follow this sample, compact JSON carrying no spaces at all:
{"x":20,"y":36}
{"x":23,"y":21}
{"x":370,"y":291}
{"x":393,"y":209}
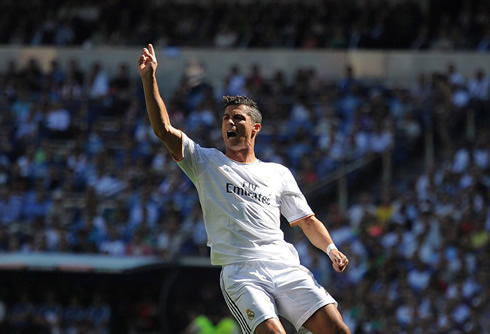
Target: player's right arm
{"x":157,"y":112}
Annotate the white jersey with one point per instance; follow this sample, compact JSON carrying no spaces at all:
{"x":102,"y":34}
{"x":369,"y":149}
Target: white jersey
{"x":242,"y":204}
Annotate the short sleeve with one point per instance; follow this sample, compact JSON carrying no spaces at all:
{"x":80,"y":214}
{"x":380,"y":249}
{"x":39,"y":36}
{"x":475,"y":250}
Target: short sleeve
{"x":293,"y":203}
{"x":193,"y":158}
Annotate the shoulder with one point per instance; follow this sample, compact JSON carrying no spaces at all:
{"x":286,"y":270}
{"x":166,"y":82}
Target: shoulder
{"x":213,"y":152}
{"x":278,"y":168}
{"x":187,"y":141}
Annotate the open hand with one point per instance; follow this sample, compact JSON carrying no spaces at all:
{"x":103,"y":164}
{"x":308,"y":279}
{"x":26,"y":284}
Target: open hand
{"x":147,"y":62}
{"x":339,"y":260}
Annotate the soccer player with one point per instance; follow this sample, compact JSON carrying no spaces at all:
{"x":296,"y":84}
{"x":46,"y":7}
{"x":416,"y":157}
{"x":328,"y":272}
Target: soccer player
{"x":242,"y":199}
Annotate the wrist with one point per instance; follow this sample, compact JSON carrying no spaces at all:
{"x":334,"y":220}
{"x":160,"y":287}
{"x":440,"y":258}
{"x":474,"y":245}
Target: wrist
{"x":148,"y":75}
{"x":329,"y":248}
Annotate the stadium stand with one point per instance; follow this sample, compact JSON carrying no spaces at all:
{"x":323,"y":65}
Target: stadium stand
{"x":81,"y":173}
{"x":68,"y":192}
{"x":417,"y":25}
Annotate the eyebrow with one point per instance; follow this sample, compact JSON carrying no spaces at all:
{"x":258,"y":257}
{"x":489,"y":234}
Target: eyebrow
{"x":236,"y":114}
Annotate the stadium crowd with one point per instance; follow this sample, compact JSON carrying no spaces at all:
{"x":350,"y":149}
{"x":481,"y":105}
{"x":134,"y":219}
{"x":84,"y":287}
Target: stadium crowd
{"x":417,"y":253}
{"x":50,"y":316}
{"x":82,"y":172}
{"x":407,"y":24}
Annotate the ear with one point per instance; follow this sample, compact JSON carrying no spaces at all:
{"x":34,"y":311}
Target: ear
{"x":256,"y":129}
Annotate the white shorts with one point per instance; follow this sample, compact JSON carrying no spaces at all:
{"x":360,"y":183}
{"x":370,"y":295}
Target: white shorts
{"x":259,"y":290}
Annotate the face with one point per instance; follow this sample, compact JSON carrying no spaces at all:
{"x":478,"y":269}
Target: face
{"x":237,"y":127}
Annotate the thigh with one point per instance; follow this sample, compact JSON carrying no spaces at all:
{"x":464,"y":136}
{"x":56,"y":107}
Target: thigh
{"x":272,"y":325}
{"x":299,"y":295}
{"x":327,"y":319}
{"x":248,"y":296}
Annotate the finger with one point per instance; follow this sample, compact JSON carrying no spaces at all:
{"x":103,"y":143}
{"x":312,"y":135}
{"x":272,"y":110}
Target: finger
{"x":341,"y":267}
{"x":149,"y":55}
{"x":152,"y":50}
{"x":142,"y":61}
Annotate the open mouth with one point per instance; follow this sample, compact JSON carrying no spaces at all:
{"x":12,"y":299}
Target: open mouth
{"x":231,"y":134}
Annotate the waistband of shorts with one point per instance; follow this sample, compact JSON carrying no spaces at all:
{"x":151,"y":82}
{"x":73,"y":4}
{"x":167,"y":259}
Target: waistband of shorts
{"x":268,"y":262}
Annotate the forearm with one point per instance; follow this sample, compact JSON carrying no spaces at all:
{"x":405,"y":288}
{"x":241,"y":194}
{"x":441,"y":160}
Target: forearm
{"x":316,"y":232}
{"x":318,"y":235}
{"x":157,"y":112}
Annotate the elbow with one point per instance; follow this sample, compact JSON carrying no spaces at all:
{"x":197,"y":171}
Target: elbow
{"x":307,"y":223}
{"x":162,"y":132}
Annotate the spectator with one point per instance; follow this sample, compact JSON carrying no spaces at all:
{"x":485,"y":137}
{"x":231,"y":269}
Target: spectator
{"x":49,"y":314}
{"x":38,"y":206}
{"x":484,"y":43}
{"x":105,"y":183}
{"x":138,"y":246}
{"x":57,"y":122}
{"x":99,"y":315}
{"x":3,"y":306}
{"x":419,"y":278}
{"x":74,"y":316}
{"x":169,"y":240}
{"x":194,"y":239}
{"x":21,"y":315}
{"x":143,"y":210}
{"x":113,"y":245}
{"x":98,"y":82}
{"x":28,"y":129}
{"x":225,"y":37}
{"x":236,"y":81}
{"x":360,"y":211}
{"x":10,"y":205}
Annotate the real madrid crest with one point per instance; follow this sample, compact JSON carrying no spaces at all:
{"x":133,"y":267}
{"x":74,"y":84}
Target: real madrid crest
{"x":250,"y":314}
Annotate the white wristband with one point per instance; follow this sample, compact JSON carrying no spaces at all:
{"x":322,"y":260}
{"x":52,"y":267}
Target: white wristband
{"x":330,"y":247}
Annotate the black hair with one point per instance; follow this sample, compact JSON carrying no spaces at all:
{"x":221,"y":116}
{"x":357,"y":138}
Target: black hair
{"x":251,"y":105}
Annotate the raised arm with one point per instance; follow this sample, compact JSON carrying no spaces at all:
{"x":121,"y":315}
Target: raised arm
{"x":157,"y":112}
{"x":318,"y":235}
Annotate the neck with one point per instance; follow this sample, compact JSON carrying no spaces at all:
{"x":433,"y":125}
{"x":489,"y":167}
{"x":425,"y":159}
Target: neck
{"x":245,"y":155}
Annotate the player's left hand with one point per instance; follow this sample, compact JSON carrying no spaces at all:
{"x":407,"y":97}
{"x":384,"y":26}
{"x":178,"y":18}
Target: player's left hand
{"x":339,"y":260}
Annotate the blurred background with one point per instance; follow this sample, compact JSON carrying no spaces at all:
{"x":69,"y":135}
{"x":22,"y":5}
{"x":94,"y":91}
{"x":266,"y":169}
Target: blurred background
{"x":380,"y":109}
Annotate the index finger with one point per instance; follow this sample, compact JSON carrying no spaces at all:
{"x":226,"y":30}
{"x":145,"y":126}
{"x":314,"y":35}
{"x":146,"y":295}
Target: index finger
{"x":152,"y":51}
